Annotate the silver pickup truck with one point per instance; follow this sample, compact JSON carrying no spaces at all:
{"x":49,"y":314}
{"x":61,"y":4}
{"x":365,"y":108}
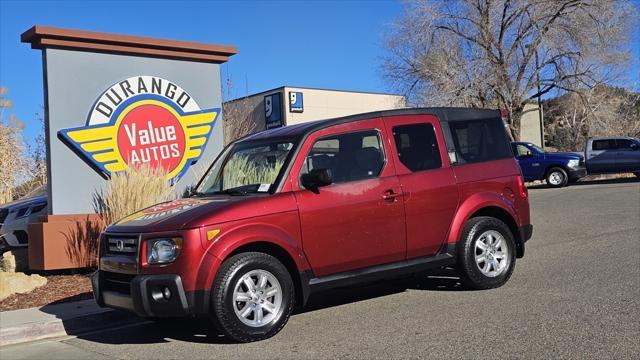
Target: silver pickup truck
{"x":608,"y":155}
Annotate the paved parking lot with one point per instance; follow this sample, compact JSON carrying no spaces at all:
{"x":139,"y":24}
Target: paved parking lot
{"x":576,"y":294}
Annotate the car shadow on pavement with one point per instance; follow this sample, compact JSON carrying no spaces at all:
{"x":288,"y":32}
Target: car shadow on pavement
{"x":626,"y":180}
{"x":436,"y":280}
{"x":202,"y":331}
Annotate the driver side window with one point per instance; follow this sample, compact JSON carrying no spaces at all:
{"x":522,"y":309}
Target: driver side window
{"x":522,"y":150}
{"x":350,"y":157}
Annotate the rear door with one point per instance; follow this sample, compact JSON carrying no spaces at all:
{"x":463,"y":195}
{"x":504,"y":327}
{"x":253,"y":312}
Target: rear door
{"x":628,"y":158}
{"x":358,"y":221}
{"x":427,"y":180}
{"x":602,"y":156}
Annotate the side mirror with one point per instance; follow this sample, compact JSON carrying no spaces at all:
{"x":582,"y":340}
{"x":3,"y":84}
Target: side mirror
{"x":635,"y":146}
{"x":316,"y":178}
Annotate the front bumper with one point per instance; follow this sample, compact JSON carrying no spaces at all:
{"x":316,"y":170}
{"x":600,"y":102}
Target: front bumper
{"x":144,"y":295}
{"x":577,"y":173}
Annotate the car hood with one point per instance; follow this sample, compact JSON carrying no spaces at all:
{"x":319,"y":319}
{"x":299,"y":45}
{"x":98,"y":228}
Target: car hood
{"x":563,"y":155}
{"x":196,"y":212}
{"x":169,"y":215}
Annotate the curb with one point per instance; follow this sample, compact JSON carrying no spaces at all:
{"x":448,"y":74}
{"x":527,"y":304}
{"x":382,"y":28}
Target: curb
{"x":68,"y":319}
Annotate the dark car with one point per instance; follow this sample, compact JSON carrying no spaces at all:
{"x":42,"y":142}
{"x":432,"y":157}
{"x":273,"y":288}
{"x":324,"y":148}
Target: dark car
{"x":295,"y":210}
{"x":557,"y":168}
{"x":610,"y":155}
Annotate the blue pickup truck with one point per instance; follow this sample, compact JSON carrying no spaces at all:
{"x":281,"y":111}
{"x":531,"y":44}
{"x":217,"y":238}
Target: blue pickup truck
{"x":558,"y":169}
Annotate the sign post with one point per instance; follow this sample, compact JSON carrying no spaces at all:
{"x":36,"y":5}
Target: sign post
{"x":113,"y":102}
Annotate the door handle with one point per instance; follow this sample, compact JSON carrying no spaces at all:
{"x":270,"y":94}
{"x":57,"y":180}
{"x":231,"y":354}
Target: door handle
{"x":390,"y":195}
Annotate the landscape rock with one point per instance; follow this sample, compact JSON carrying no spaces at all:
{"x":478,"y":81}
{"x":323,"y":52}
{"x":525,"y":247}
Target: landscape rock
{"x":15,"y":260}
{"x":16,"y":282}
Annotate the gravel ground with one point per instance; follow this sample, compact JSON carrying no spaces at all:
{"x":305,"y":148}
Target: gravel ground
{"x":59,"y":288}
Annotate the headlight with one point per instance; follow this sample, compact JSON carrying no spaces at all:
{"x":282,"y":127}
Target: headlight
{"x":163,"y":250}
{"x":574,"y":163}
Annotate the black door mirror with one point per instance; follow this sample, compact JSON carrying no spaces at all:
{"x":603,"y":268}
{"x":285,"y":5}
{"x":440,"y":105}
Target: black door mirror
{"x":635,"y":146}
{"x":316,"y":178}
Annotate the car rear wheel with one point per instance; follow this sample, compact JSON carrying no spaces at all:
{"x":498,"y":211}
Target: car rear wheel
{"x":557,"y":177}
{"x":253,"y":297}
{"x":487,"y":255}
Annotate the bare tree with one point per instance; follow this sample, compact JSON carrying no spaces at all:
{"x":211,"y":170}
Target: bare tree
{"x":503,"y":53}
{"x":239,"y":119}
{"x":567,"y":124}
{"x":599,"y":111}
{"x":38,"y":155}
{"x":239,"y":115}
{"x":13,"y":164}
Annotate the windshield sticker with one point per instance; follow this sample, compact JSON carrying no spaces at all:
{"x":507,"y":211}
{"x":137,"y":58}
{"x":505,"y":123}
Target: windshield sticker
{"x":264,"y":187}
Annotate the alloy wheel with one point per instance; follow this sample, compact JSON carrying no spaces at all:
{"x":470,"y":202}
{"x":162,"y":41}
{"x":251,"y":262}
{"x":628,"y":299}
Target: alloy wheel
{"x":492,"y":253}
{"x":257,"y":298}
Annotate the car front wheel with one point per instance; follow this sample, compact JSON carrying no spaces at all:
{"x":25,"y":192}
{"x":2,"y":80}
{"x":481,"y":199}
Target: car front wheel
{"x":486,"y":256}
{"x":253,"y":297}
{"x":557,"y":177}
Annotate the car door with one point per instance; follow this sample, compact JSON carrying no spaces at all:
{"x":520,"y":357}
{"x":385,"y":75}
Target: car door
{"x":602,"y":156}
{"x":428,"y":182}
{"x":358,"y":220}
{"x":628,"y":156}
{"x":530,"y":162}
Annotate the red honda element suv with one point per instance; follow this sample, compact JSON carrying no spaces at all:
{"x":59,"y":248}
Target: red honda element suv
{"x":290,"y":211}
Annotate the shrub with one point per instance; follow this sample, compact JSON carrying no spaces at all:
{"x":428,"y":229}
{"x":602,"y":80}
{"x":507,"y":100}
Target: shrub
{"x":132,"y":190}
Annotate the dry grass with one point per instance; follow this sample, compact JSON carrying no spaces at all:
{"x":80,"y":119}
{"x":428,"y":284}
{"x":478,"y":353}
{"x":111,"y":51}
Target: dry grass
{"x":130,"y":191}
{"x":82,"y":242}
{"x":242,"y":171}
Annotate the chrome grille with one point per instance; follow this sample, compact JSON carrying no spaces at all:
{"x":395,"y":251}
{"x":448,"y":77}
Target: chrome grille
{"x":122,"y":245}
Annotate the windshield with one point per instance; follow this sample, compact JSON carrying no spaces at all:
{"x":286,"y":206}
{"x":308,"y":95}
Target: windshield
{"x":246,"y":168}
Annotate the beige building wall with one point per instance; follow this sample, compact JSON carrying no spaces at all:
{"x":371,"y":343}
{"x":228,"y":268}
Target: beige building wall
{"x":247,"y":115}
{"x":530,"y":125}
{"x":327,"y":104}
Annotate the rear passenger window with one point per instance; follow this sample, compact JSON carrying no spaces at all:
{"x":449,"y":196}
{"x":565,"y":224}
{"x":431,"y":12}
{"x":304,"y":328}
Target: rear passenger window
{"x":604,"y":144}
{"x":350,"y":157}
{"x":624,"y":144}
{"x":417,"y":146}
{"x":480,"y":140}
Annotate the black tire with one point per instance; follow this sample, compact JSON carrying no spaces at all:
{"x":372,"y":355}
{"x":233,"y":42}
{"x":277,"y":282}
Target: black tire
{"x":468,"y":270}
{"x":223,"y":302}
{"x":557,"y":177}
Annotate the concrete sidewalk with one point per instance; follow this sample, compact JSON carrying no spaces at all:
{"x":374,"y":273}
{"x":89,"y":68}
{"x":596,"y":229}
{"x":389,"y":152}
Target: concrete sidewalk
{"x":50,"y":321}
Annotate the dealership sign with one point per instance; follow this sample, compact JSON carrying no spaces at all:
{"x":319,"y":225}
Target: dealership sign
{"x":142,"y":120}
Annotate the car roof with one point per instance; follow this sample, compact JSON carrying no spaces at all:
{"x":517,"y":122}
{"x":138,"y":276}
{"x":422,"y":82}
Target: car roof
{"x":444,"y":114}
{"x":25,"y":201}
{"x":613,"y":138}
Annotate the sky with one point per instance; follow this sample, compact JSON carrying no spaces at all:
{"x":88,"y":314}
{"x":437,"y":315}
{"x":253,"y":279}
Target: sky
{"x":324,"y":44}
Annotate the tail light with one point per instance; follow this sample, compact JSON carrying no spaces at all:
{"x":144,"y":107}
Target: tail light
{"x":522,"y":189}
